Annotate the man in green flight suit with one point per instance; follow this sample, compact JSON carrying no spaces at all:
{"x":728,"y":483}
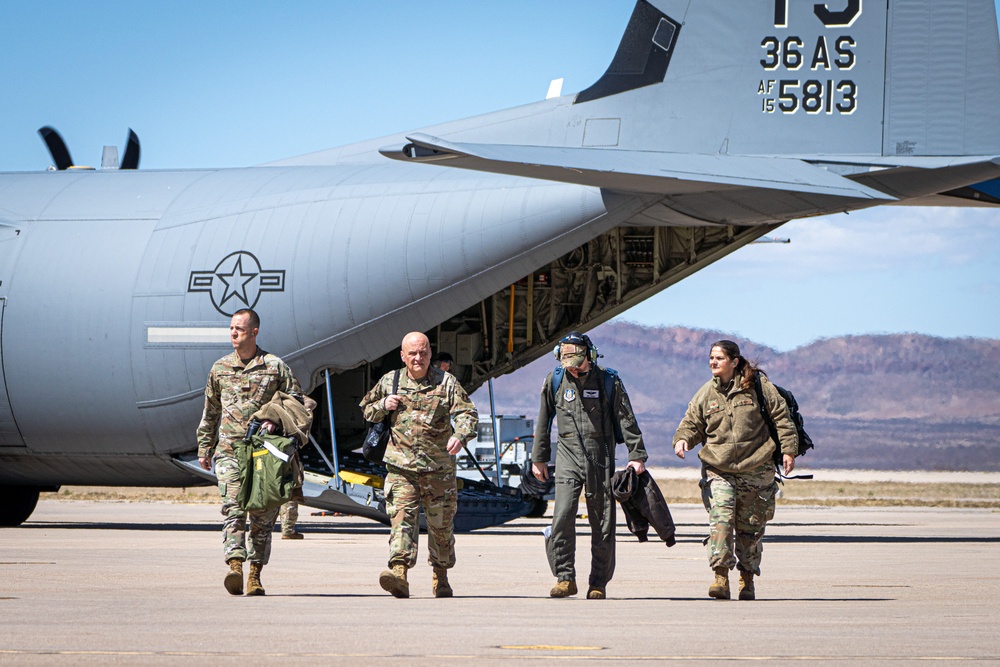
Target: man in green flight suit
{"x":592,"y":412}
{"x":418,"y":458}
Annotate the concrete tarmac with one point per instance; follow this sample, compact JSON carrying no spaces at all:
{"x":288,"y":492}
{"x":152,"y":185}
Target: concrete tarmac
{"x":141,"y":583}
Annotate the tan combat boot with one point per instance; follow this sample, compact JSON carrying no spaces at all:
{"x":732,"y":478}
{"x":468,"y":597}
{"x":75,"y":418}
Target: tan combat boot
{"x":253,"y":579}
{"x":440,"y":585}
{"x":597,"y":593}
{"x":563,"y":589}
{"x":234,"y":578}
{"x":720,"y":587}
{"x":746,"y":586}
{"x":394,"y":581}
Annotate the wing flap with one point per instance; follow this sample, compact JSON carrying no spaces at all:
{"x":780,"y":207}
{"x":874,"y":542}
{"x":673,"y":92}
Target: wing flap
{"x":634,"y":171}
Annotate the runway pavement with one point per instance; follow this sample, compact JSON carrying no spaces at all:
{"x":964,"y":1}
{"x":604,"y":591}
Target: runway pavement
{"x":141,"y":583}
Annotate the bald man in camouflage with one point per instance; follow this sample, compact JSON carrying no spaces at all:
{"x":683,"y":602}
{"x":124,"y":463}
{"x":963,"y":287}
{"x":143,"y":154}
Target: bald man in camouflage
{"x":421,"y":470}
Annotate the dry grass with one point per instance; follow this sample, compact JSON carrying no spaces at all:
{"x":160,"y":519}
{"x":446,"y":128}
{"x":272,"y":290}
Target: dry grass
{"x":863,"y":494}
{"x":195,"y":495}
{"x":794,"y":492}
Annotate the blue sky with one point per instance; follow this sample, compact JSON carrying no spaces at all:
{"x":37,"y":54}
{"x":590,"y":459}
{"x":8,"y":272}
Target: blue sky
{"x":235,"y":84}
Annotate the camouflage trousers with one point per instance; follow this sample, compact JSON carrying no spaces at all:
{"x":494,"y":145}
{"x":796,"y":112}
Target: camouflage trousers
{"x":739,"y":506}
{"x":234,"y":524}
{"x":405,"y":492}
{"x":289,"y":516}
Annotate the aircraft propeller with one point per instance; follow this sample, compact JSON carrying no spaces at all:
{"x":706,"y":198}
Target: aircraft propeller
{"x":63,"y":160}
{"x":57,"y":148}
{"x":131,"y":158}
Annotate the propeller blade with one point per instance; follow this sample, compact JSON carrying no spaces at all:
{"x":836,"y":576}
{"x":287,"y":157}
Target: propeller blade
{"x":57,"y":148}
{"x":131,"y":158}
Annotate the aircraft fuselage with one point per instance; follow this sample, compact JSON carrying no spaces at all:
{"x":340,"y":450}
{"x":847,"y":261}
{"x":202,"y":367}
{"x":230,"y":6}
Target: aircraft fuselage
{"x":117,"y":288}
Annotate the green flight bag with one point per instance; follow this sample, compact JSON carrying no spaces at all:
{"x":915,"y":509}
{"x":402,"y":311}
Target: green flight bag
{"x":267,"y":476}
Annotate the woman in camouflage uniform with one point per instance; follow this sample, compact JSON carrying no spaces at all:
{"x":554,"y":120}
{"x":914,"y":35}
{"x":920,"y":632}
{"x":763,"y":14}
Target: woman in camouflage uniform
{"x":738,"y":484}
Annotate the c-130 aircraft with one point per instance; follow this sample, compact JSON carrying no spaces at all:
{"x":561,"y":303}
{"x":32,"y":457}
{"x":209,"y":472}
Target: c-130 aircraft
{"x":715,"y":123}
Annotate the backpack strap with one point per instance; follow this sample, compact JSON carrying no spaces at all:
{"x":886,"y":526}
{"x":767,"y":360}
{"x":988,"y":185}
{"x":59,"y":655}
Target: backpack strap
{"x":768,"y":420}
{"x":395,"y":389}
{"x":610,"y":375}
{"x":557,"y":378}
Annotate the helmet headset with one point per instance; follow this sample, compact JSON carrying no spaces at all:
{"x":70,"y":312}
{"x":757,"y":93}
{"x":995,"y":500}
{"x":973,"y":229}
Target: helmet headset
{"x":577,"y":338}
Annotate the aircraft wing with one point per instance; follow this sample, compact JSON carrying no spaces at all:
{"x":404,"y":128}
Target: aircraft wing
{"x":316,"y":492}
{"x":634,"y":171}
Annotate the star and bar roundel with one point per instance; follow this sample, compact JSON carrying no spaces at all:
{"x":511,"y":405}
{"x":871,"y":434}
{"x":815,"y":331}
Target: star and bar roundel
{"x":237,"y":282}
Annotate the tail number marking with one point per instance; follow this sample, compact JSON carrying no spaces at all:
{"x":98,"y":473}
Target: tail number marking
{"x":820,"y":54}
{"x":813,"y":96}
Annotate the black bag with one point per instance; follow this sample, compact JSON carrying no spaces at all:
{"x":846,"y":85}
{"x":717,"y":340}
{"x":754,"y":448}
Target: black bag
{"x":378,"y":434}
{"x":805,"y":442}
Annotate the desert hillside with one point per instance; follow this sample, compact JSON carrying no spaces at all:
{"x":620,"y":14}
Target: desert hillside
{"x":902,"y":401}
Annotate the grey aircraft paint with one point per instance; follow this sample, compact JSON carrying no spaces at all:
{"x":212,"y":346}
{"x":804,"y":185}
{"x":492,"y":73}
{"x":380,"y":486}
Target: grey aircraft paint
{"x":716,"y":122}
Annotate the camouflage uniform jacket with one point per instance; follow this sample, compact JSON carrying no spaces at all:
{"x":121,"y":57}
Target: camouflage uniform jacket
{"x":727,"y":420}
{"x":234,"y":392}
{"x":422,"y":424}
{"x":576,"y":402}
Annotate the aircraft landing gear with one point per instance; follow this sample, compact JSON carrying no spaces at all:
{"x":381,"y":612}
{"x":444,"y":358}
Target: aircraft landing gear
{"x":16,"y":504}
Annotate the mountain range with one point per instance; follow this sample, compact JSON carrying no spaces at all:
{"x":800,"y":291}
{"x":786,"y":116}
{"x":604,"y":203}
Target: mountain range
{"x":882,"y":402}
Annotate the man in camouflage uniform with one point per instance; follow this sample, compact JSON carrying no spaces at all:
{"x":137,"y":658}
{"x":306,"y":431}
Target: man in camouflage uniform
{"x":289,"y":517}
{"x":421,"y":470}
{"x":587,"y":423}
{"x":238,"y":385}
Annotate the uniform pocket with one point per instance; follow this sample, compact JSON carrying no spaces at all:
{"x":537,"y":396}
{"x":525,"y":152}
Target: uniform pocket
{"x":768,"y":497}
{"x":427,"y":406}
{"x":714,"y":416}
{"x":266,"y":384}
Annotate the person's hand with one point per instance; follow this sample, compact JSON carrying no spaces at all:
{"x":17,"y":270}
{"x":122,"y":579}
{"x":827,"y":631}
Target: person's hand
{"x":205,"y":462}
{"x":540,"y":471}
{"x":454,"y":445}
{"x":788,"y":463}
{"x":391,"y":402}
{"x":680,"y":447}
{"x":640,"y":466}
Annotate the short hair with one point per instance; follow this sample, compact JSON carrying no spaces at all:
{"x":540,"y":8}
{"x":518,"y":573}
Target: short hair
{"x":254,"y":317}
{"x":444,"y":356}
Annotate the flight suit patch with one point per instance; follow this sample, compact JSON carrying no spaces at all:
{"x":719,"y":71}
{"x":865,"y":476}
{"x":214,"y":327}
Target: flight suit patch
{"x":591,"y":393}
{"x":570,"y":394}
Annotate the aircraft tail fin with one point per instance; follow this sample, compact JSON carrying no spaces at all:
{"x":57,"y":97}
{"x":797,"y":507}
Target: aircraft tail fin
{"x":772,"y":77}
{"x":848,"y":85}
{"x":643,"y":55}
{"x":879,"y":79}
